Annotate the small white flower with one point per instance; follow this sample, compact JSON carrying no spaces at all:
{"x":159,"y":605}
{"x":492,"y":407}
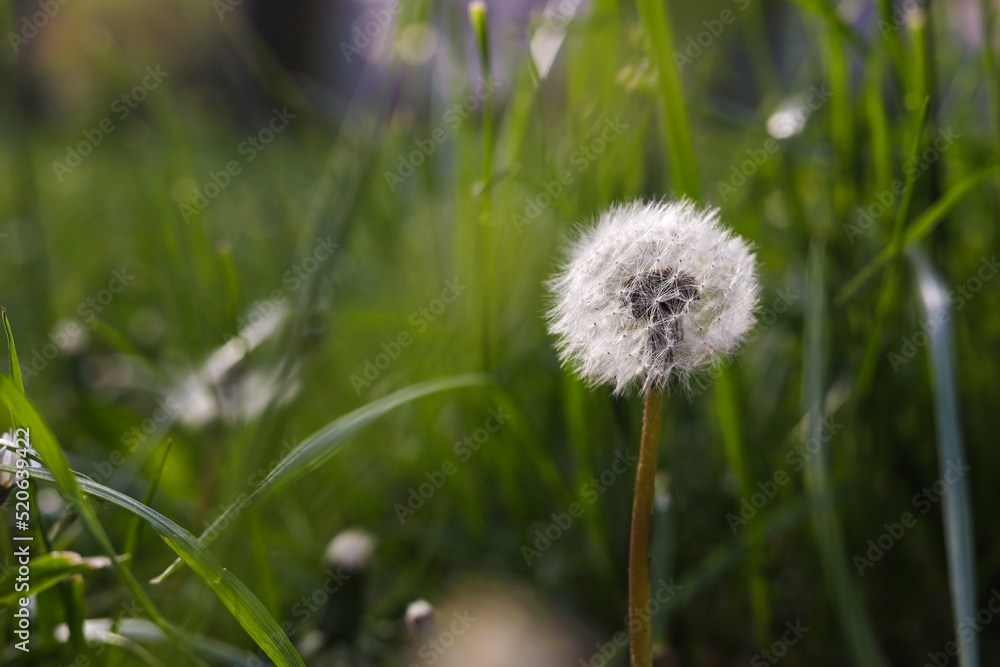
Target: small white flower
{"x":419,"y":616}
{"x":652,"y":294}
{"x":351,"y":549}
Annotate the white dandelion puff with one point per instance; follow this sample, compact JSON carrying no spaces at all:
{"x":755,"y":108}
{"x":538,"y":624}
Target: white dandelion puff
{"x":419,"y":616}
{"x":351,"y":549}
{"x":651,"y":295}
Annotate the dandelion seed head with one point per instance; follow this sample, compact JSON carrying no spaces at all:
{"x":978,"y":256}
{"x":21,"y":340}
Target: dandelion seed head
{"x":351,"y":549}
{"x":419,"y":616}
{"x":651,"y":295}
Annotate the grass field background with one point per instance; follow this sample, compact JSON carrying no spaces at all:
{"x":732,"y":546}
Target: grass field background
{"x":397,"y":225}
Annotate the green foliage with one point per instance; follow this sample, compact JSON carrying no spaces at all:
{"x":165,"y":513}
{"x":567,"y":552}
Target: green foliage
{"x":334,"y":292}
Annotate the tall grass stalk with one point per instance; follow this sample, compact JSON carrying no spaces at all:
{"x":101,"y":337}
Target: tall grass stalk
{"x":819,"y":485}
{"x":660,"y":44}
{"x":479,"y":18}
{"x":735,"y":449}
{"x":956,"y":505}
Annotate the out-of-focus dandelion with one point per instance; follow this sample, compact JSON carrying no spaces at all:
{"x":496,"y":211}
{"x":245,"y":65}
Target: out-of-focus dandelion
{"x":494,"y":624}
{"x":419,"y":616}
{"x":347,"y":557}
{"x":652,"y":295}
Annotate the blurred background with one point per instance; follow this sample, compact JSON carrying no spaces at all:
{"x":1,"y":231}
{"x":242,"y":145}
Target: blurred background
{"x":225,"y":225}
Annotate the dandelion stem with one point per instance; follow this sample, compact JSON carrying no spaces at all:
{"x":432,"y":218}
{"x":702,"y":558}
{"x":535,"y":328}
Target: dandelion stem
{"x":642,"y":511}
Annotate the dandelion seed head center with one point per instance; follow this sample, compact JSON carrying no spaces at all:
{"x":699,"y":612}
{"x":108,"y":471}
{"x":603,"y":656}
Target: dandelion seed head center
{"x":659,"y":297}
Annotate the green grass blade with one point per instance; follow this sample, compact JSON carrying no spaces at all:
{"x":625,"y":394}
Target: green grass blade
{"x":140,"y":652}
{"x":847,"y":599}
{"x":15,"y":368}
{"x":878,"y":123}
{"x":727,"y":556}
{"x":143,"y":633}
{"x":660,"y":47}
{"x":245,"y":607}
{"x":921,"y":227}
{"x":904,"y":204}
{"x":321,"y":445}
{"x":989,"y":20}
{"x":132,"y":536}
{"x":828,"y":13}
{"x":48,"y":570}
{"x":73,"y":611}
{"x":890,"y":279}
{"x":735,"y":449}
{"x":891,"y":38}
{"x":955,"y":504}
{"x":479,"y":21}
{"x":837,"y":68}
{"x":74,"y":591}
{"x":45,"y":443}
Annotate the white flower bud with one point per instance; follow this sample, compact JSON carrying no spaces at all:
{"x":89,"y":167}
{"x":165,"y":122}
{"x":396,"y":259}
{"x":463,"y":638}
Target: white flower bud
{"x":419,"y":615}
{"x":351,"y":550}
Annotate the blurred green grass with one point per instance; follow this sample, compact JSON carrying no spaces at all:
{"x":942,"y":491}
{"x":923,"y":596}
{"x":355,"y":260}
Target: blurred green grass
{"x":325,"y":177}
